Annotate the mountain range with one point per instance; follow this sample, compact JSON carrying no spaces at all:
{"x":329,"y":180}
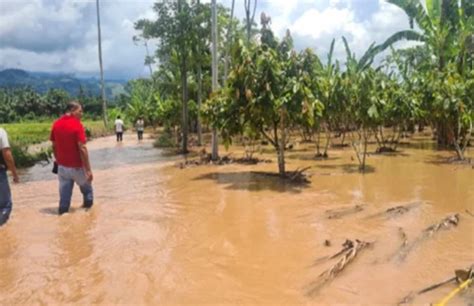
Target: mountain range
{"x":43,"y":81}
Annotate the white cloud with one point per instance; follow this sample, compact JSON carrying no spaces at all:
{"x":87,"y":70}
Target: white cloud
{"x":314,"y":23}
{"x":61,"y":35}
{"x":317,"y":27}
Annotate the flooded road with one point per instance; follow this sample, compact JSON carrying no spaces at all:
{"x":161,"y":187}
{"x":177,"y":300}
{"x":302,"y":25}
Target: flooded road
{"x":230,"y":235}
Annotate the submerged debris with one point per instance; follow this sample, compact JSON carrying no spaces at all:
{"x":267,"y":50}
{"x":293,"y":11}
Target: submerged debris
{"x":206,"y":159}
{"x":348,"y":244}
{"x":461,"y":276}
{"x":396,"y":210}
{"x":349,"y":252}
{"x":299,"y":176}
{"x":344,"y":211}
{"x":447,"y":223}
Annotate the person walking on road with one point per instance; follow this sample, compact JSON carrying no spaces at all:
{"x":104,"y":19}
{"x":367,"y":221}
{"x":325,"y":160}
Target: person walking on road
{"x":70,"y":151}
{"x":7,"y":162}
{"x":140,"y":126}
{"x":119,"y":128}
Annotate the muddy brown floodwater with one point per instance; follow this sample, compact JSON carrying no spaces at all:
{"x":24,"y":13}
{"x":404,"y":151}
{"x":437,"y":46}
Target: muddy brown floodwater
{"x":229,"y":235}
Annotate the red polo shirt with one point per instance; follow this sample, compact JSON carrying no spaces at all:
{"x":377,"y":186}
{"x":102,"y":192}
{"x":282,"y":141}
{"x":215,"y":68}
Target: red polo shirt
{"x":66,"y":133}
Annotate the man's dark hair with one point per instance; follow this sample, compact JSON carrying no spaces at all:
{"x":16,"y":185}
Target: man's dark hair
{"x":72,"y":106}
{"x":118,"y":117}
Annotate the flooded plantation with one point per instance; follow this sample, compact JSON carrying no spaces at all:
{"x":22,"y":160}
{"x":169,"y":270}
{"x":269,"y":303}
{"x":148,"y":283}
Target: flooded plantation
{"x":232,"y":234}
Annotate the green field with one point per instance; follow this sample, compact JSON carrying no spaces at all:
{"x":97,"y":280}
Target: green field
{"x":28,"y":133}
{"x":25,"y":134}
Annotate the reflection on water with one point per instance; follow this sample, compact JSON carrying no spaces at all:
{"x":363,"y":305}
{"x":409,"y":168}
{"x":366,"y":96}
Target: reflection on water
{"x":233,"y":234}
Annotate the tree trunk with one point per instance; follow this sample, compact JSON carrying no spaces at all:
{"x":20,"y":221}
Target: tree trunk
{"x":318,"y":141}
{"x":215,"y":85}
{"x":328,"y":140}
{"x":442,"y":134}
{"x":364,"y":154}
{"x":184,"y":84}
{"x":199,"y":90}
{"x":229,"y":36}
{"x":199,"y":101}
{"x":282,"y":144}
{"x":99,"y":38}
{"x":184,"y":87}
{"x":343,"y":138}
{"x":249,"y":17}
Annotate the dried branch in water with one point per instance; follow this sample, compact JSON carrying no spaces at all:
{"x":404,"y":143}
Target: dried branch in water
{"x":349,"y":252}
{"x":396,"y":210}
{"x":460,"y":276}
{"x":348,"y":244}
{"x":403,"y":236}
{"x":298,"y":175}
{"x":342,"y":212}
{"x":225,"y":160}
{"x":447,"y":223}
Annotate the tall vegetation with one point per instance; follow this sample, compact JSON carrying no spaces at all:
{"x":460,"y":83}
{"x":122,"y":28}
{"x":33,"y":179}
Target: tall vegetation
{"x":269,"y":90}
{"x":445,"y":27}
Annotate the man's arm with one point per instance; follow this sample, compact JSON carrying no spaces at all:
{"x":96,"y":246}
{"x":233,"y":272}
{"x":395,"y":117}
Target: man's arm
{"x":8,"y":157}
{"x":54,"y":150}
{"x":85,"y":160}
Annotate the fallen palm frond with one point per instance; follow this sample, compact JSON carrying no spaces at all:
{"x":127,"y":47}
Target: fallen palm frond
{"x":349,"y":252}
{"x":396,"y":210}
{"x":461,"y":277}
{"x":342,"y":212}
{"x":447,"y":223}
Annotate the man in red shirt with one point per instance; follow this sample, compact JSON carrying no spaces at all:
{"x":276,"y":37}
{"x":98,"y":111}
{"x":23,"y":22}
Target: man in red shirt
{"x":70,"y":151}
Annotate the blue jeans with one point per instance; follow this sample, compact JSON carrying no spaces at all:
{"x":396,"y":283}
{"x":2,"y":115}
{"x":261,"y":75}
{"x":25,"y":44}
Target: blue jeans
{"x":5,"y":197}
{"x":67,"y":177}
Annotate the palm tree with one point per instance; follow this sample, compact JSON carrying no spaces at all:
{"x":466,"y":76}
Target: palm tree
{"x":104,"y":101}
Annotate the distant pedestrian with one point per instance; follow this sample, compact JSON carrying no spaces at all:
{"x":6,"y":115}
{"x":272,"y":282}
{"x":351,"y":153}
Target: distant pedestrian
{"x":70,"y":151}
{"x":6,"y":163}
{"x":140,"y":127}
{"x":119,"y":128}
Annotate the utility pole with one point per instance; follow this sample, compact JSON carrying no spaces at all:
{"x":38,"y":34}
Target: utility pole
{"x":104,"y":101}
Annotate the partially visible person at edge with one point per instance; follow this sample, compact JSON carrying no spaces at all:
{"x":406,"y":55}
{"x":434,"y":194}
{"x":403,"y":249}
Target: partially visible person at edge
{"x":140,"y":126}
{"x":119,"y":128}
{"x":6,"y":163}
{"x":70,"y":151}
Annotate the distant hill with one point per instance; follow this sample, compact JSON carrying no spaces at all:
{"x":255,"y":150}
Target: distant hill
{"x":43,"y":81}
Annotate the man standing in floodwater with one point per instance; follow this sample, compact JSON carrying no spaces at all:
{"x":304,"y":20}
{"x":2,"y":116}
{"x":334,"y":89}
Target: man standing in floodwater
{"x":70,"y":151}
{"x":6,"y":163}
{"x":119,"y":128}
{"x":140,"y":126}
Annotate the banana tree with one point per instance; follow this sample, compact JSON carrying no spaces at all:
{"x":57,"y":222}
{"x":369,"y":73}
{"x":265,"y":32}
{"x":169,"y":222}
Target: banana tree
{"x":359,"y":95}
{"x":446,"y":29}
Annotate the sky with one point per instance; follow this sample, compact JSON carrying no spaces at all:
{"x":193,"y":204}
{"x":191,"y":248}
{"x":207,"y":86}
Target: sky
{"x":61,"y":35}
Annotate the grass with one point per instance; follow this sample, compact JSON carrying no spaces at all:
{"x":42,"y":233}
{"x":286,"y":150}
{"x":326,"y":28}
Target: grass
{"x":25,"y":134}
{"x":29,"y":133}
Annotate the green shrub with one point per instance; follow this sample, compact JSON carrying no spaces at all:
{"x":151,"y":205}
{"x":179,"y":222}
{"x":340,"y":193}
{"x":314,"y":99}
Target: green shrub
{"x":164,"y":141}
{"x":25,"y":159}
